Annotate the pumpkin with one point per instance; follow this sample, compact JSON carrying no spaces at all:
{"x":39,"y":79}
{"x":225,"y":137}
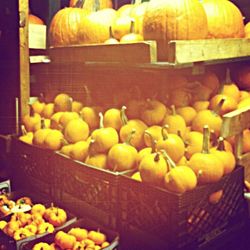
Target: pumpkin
{"x":121,"y":26}
{"x":172,"y":144}
{"x":175,"y":122}
{"x":188,"y":113}
{"x":153,"y":112}
{"x":174,"y":20}
{"x":128,"y":125}
{"x":111,"y":39}
{"x":96,"y":26}
{"x":38,"y":208}
{"x":55,"y":216}
{"x":103,"y":138}
{"x":247,"y":30}
{"x":76,"y":130}
{"x":30,"y":121}
{"x":227,"y":157}
{"x":207,"y":166}
{"x":232,"y":90}
{"x":96,"y":236}
{"x":131,"y":36}
{"x":224,"y":19}
{"x":79,"y":151}
{"x":90,"y":115}
{"x":22,"y":233}
{"x":54,"y":140}
{"x":244,"y":103}
{"x":153,"y":168}
{"x":41,"y":246}
{"x":48,"y":110}
{"x":77,"y":106}
{"x":26,"y":137}
{"x":40,"y":134}
{"x":193,"y":142}
{"x":64,"y":240}
{"x":179,"y":179}
{"x":45,"y":228}
{"x":112,"y":118}
{"x":210,"y":118}
{"x":88,"y":4}
{"x":38,"y":107}
{"x":200,"y":105}
{"x":152,"y":133}
{"x":79,"y":233}
{"x":66,"y":117}
{"x":228,"y":105}
{"x":33,"y":19}
{"x":136,"y":176}
{"x":62,"y":102}
{"x":65,"y":25}
{"x":123,"y":156}
{"x":97,"y":160}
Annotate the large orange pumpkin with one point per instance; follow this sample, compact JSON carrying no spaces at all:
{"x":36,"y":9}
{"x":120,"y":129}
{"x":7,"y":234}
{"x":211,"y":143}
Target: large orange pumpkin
{"x":174,"y":20}
{"x":224,"y":19}
{"x":35,"y":19}
{"x":65,"y":26}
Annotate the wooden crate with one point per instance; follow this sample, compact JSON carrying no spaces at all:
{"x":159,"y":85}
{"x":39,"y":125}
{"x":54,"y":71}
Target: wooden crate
{"x":141,"y":52}
{"x":234,"y":123}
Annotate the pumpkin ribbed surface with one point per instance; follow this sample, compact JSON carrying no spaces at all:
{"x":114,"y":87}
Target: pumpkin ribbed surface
{"x":224,"y":19}
{"x":65,"y":26}
{"x":171,"y":20}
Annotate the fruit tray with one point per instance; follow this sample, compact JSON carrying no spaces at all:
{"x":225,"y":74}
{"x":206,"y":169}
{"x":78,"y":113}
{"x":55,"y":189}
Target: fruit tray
{"x":31,"y":167}
{"x":7,"y":242}
{"x":111,"y":236}
{"x":153,"y":218}
{"x":87,"y":190}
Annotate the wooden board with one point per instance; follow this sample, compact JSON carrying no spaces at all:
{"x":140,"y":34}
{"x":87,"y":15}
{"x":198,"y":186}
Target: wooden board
{"x":141,"y":52}
{"x":235,"y":122}
{"x":187,"y":51}
{"x":37,"y":36}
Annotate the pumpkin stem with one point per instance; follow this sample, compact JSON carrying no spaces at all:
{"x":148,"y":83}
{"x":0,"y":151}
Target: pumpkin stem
{"x":221,"y":145}
{"x":157,"y":157}
{"x":43,"y":123}
{"x":96,"y":5}
{"x":206,"y":137}
{"x":164,"y":132}
{"x":153,"y":142}
{"x":124,"y":118}
{"x":217,"y":109}
{"x":110,"y":32}
{"x":130,"y":136}
{"x":132,"y":25}
{"x":92,"y":141}
{"x":173,"y":109}
{"x":101,"y":124}
{"x":23,"y":129}
{"x":79,"y":4}
{"x":168,"y":159}
{"x":87,"y":95}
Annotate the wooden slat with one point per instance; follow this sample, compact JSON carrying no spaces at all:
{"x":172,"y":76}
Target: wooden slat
{"x":235,"y":121}
{"x":244,"y":160}
{"x":184,"y":51}
{"x":141,"y":52}
{"x":24,"y":57}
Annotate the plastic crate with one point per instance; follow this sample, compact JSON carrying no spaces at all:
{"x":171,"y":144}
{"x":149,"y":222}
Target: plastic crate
{"x":153,"y":218}
{"x":31,"y":167}
{"x":112,"y":236}
{"x":9,"y":243}
{"x":87,"y":190}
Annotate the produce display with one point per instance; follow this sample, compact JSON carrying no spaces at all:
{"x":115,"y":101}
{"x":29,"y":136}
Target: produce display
{"x":159,"y":137}
{"x":90,"y":22}
{"x":76,"y":238}
{"x":28,"y":219}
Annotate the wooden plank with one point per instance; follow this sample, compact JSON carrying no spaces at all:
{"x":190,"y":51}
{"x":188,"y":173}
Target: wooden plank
{"x":187,"y":51}
{"x":37,"y":36}
{"x":24,"y":57}
{"x":141,"y":52}
{"x":235,"y":121}
{"x":244,"y":161}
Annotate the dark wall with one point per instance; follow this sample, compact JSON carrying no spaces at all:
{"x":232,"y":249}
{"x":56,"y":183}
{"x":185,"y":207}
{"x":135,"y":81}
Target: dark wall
{"x":9,"y":64}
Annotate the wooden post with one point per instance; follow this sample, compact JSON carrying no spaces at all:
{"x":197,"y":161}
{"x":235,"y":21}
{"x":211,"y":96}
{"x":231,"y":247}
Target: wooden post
{"x":24,"y":57}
